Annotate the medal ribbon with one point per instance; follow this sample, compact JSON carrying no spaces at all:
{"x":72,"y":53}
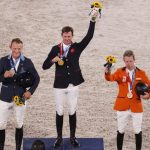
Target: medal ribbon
{"x":131,"y":81}
{"x":63,"y":53}
{"x":61,"y":50}
{"x":14,"y":64}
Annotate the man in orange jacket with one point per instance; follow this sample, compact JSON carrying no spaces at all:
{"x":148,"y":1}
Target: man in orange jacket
{"x":128,"y":104}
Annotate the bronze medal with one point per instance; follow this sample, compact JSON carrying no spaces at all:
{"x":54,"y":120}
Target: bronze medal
{"x":129,"y":95}
{"x":130,"y":80}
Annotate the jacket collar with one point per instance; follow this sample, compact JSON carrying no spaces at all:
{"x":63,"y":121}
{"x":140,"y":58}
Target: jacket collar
{"x":21,"y":57}
{"x":124,"y":68}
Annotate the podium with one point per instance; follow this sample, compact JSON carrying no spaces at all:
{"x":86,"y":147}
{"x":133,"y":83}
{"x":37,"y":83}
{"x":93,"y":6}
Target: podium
{"x":85,"y":144}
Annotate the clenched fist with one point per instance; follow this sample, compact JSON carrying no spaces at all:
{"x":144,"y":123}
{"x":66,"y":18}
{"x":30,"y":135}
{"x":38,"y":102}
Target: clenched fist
{"x":9,"y":74}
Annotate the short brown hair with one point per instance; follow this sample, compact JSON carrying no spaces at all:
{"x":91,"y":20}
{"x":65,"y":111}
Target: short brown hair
{"x":16,"y":40}
{"x":129,"y":53}
{"x":67,"y":29}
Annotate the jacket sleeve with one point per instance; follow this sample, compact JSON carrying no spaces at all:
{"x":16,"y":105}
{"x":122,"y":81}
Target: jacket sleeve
{"x":146,"y":80}
{"x":1,"y":71}
{"x":85,"y":41}
{"x":48,"y":62}
{"x":112,"y":77}
{"x":36,"y":77}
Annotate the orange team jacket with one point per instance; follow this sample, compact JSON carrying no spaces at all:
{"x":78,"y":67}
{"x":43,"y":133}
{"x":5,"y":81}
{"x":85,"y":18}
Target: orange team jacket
{"x":122,"y":101}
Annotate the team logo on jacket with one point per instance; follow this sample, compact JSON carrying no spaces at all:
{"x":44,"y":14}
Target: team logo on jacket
{"x":124,"y":79}
{"x":138,"y":79}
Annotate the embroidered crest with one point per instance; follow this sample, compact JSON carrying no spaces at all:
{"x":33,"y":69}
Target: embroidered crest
{"x":72,"y":50}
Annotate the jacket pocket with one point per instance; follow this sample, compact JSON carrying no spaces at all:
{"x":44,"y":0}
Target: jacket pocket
{"x":5,"y":86}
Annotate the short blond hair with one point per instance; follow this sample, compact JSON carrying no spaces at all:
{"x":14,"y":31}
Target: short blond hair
{"x":16,"y":40}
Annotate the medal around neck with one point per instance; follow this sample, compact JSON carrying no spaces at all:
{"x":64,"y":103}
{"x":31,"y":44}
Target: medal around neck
{"x":129,"y":95}
{"x":61,"y":62}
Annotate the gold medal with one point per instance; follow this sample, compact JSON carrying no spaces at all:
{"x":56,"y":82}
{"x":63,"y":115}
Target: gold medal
{"x":129,"y":95}
{"x":60,"y":62}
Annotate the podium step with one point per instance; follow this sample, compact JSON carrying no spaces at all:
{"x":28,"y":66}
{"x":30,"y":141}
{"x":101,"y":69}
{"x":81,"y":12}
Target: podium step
{"x":85,"y":144}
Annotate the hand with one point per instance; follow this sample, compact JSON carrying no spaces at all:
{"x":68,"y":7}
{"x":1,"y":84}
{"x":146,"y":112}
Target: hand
{"x":27,"y":95}
{"x":9,"y":74}
{"x":94,"y":14}
{"x":56,"y":59}
{"x":146,"y":96}
{"x":107,"y":70}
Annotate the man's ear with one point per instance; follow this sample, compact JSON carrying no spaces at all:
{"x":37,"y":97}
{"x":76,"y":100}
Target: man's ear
{"x":10,"y":46}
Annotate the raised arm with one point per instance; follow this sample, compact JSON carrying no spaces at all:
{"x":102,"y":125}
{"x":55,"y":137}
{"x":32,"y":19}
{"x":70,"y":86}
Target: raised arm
{"x":111,"y":76}
{"x":85,"y":41}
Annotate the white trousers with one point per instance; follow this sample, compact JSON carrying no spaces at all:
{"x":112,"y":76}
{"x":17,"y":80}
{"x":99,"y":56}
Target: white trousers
{"x":70,"y":94}
{"x":5,"y":108}
{"x":124,"y":116}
